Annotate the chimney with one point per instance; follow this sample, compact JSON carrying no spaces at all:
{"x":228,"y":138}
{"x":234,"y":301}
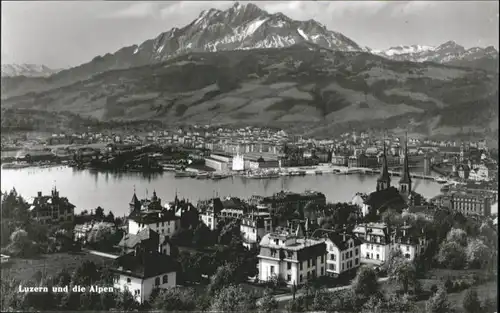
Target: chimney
{"x":343,"y":235}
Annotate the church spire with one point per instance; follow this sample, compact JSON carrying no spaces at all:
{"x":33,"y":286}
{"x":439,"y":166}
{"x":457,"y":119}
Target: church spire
{"x":405,"y":181}
{"x":384,"y":180}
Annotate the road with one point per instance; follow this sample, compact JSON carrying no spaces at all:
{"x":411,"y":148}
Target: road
{"x":289,"y":296}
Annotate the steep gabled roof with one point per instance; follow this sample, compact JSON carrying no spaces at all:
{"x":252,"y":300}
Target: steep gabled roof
{"x":145,"y":264}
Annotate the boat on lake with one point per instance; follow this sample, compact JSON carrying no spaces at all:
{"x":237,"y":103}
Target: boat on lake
{"x":14,"y":165}
{"x":182,"y":174}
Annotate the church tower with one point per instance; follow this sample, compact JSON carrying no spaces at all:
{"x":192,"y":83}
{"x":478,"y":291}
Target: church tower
{"x":135,"y":204}
{"x":384,"y":180}
{"x":405,"y":181}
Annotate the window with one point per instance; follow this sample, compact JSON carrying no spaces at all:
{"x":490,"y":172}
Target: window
{"x":342,"y":256}
{"x":322,"y":258}
{"x":407,"y":248}
{"x":350,"y":244}
{"x":407,"y":255}
{"x":356,"y":261}
{"x":253,"y":230}
{"x":333,"y":257}
{"x":378,"y":256}
{"x":157,"y":225}
{"x":165,"y":279}
{"x":289,"y":265}
{"x":322,"y":271}
{"x":276,"y":242}
{"x":272,"y":270}
{"x":137,"y":292}
{"x":301,"y":266}
{"x":308,"y":263}
{"x":367,"y":255}
{"x":300,"y":278}
{"x":289,"y":277}
{"x":157,"y":281}
{"x":342,"y":266}
{"x":356,"y":251}
{"x":128,"y":281}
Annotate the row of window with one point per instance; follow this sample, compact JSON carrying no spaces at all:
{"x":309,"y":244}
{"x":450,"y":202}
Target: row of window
{"x":349,"y":264}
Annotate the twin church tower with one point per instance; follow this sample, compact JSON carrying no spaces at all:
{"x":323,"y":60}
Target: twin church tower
{"x":384,"y":180}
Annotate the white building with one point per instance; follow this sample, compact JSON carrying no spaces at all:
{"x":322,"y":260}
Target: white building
{"x":480,"y":173}
{"x":410,"y":241}
{"x":294,"y":259}
{"x":150,"y":214}
{"x":141,"y":271}
{"x":255,"y":226}
{"x":343,"y":251}
{"x":376,"y":243}
{"x":210,"y":211}
{"x":238,"y":163}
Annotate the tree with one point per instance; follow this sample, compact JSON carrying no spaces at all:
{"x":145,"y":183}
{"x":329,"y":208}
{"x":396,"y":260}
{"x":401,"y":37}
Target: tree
{"x":405,"y":274}
{"x":478,"y":254}
{"x":99,"y":213}
{"x":395,"y":256}
{"x":438,"y":303}
{"x":233,"y":299}
{"x":223,"y":277}
{"x":110,"y":218}
{"x":229,"y":231}
{"x":202,"y":236}
{"x":20,"y":243}
{"x":365,"y":284}
{"x":452,"y":255}
{"x":268,"y":304}
{"x":457,"y":235}
{"x":470,"y":302}
{"x":175,"y":299}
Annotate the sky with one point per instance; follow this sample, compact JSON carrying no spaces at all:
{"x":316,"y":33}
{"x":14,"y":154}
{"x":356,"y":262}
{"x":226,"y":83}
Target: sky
{"x":62,"y":34}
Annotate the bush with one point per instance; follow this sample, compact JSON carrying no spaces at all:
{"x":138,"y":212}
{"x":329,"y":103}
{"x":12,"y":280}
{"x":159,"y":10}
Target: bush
{"x":471,"y":302}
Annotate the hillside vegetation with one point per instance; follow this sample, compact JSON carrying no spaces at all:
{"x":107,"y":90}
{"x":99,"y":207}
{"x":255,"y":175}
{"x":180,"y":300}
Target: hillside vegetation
{"x":321,"y":89}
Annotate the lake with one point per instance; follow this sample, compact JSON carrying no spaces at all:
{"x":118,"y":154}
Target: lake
{"x":88,"y":189}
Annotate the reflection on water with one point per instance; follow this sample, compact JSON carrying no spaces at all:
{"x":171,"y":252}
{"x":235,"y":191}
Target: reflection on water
{"x":113,"y":191}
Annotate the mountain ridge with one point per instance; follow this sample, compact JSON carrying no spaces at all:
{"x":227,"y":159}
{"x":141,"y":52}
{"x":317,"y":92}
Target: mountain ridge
{"x":447,"y":53}
{"x":27,"y":70}
{"x":325,"y":89}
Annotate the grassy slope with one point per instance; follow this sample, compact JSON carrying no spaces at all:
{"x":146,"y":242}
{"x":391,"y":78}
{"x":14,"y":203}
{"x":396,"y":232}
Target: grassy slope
{"x":323,"y":90}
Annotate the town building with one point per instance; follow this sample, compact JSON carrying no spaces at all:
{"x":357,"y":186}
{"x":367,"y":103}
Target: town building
{"x":150,"y":214}
{"x":238,"y":163}
{"x":343,"y":251}
{"x":295,"y":200}
{"x":295,"y":259}
{"x":210,"y":210}
{"x":467,"y":203}
{"x":51,"y":209}
{"x":409,"y":240}
{"x":376,"y":242}
{"x":255,"y":225}
{"x":146,"y":237}
{"x":144,"y":270}
{"x":216,"y":164}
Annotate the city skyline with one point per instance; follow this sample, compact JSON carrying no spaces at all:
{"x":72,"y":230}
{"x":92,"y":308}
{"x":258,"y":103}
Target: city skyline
{"x":64,"y":33}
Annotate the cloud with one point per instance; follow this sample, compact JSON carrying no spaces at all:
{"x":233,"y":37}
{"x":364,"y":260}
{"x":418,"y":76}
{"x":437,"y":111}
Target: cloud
{"x":136,"y":10}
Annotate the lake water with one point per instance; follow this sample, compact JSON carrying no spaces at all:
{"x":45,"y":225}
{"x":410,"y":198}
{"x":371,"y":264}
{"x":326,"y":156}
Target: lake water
{"x":88,"y":189}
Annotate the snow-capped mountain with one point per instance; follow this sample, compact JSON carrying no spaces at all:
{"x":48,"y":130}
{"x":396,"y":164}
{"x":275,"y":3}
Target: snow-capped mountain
{"x":243,"y":26}
{"x":28,"y":70}
{"x":448,"y":53}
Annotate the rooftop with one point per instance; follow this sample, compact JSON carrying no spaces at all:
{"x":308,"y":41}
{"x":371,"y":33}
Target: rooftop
{"x":145,"y":264}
